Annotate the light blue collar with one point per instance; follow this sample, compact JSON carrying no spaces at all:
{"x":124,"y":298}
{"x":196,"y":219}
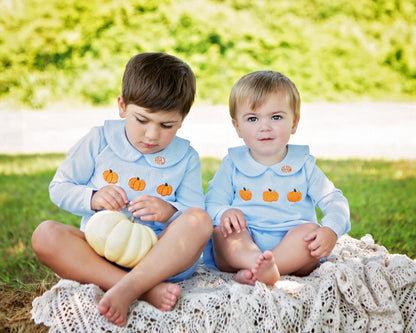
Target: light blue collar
{"x":292,"y":163}
{"x":115,"y":135}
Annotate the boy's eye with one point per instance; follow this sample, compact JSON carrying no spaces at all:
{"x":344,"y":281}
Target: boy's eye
{"x":277,"y":117}
{"x":252,"y":119}
{"x":140,"y":120}
{"x":166,"y":126}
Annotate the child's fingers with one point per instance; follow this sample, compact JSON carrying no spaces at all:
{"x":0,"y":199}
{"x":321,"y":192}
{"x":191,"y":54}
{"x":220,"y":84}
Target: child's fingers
{"x":236,"y":225}
{"x":115,"y":202}
{"x":148,"y":217}
{"x":227,"y":225}
{"x":114,"y":196}
{"x":223,"y":230}
{"x":124,"y":197}
{"x":319,"y":250}
{"x":119,"y":198}
{"x":143,"y":199}
{"x":310,"y":237}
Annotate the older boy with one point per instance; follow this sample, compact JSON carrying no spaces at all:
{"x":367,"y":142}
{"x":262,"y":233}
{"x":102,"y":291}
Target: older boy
{"x":157,"y":93}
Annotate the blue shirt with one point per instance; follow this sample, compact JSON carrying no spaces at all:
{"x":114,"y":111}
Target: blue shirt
{"x":105,"y":156}
{"x":276,"y":197}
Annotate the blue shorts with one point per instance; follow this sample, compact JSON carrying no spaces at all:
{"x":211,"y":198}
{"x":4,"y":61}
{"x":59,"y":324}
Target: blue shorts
{"x":266,"y":240}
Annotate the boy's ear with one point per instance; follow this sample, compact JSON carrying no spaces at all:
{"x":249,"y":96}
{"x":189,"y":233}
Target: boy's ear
{"x":294,"y":126}
{"x":237,"y":128}
{"x":121,"y":107}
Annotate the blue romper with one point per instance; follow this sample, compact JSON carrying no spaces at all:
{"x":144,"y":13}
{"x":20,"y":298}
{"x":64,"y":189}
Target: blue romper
{"x":106,"y":148}
{"x":274,"y":198}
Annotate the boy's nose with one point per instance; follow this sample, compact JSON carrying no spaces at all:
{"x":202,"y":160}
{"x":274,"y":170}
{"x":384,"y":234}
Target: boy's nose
{"x":152,"y":133}
{"x":264,"y":126}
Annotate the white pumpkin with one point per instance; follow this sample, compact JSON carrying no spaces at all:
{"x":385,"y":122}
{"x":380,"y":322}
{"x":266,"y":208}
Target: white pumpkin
{"x":112,"y":235}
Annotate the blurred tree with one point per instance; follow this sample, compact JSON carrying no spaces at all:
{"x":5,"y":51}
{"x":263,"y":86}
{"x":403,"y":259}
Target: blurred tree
{"x":52,"y":50}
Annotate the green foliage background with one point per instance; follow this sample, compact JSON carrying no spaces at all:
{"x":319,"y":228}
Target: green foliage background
{"x":334,"y":50}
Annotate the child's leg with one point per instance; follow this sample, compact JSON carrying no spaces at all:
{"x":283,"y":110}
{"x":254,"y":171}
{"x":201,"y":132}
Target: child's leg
{"x":65,"y":251}
{"x":292,"y":253}
{"x":238,"y":253}
{"x":178,"y":249}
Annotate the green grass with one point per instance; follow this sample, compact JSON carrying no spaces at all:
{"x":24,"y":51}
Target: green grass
{"x":381,"y":196}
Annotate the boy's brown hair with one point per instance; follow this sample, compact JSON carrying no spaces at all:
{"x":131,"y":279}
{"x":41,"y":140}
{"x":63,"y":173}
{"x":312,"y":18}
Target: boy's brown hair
{"x":255,"y":87}
{"x":159,"y":81}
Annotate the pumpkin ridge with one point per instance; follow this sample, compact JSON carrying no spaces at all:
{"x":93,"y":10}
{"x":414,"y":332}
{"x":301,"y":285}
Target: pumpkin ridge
{"x":127,"y":242}
{"x":111,"y":230}
{"x":109,"y":233}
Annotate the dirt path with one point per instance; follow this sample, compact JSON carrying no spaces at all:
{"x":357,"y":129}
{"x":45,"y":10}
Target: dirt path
{"x":363,"y":130}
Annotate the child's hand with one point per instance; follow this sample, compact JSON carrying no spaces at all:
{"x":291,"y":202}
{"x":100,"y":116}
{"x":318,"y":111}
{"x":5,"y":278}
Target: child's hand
{"x":111,"y":197}
{"x":150,"y":208}
{"x":232,"y":219}
{"x":321,"y":242}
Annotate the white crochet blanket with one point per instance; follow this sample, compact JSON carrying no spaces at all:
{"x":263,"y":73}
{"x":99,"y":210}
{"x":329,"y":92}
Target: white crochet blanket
{"x":361,"y":288}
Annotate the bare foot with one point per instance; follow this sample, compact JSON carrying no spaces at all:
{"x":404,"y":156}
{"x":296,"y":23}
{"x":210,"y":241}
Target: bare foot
{"x":163,"y":296}
{"x":265,"y":269}
{"x":115,"y":304}
{"x":245,"y":276}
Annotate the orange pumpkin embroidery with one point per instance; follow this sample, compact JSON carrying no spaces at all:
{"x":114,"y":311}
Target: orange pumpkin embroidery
{"x":294,"y":196}
{"x":245,"y":194}
{"x":270,"y":195}
{"x":137,"y":184}
{"x":286,"y":169}
{"x":164,"y":189}
{"x":110,"y":176}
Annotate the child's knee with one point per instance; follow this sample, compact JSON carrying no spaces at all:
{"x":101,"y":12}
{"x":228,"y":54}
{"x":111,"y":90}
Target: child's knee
{"x":200,"y":220}
{"x":43,"y":237}
{"x":303,"y":229}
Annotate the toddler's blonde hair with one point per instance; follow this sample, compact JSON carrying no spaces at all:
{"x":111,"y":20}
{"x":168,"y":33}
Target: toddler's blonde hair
{"x":255,"y":87}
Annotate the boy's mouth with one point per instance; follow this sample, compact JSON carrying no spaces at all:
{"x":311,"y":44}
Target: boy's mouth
{"x":149,"y":145}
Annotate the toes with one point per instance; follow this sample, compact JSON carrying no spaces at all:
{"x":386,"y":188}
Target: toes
{"x":103,"y":306}
{"x":169,"y":299}
{"x":120,"y":322}
{"x":174,"y":289}
{"x":116,"y":318}
{"x":267,"y":255}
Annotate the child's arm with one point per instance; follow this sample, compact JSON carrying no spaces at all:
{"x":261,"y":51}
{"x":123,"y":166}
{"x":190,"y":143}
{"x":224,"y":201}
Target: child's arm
{"x":190,"y":193}
{"x":69,"y":188}
{"x":220,"y":194}
{"x":334,"y":206}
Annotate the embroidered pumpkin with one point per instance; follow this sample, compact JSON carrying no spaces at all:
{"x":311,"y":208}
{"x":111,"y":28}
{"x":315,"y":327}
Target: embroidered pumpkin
{"x":137,"y":184}
{"x":164,"y":189}
{"x":245,"y":194}
{"x":294,"y":196}
{"x":270,"y":195}
{"x":110,"y":176}
{"x":286,"y":168}
{"x":112,"y":235}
